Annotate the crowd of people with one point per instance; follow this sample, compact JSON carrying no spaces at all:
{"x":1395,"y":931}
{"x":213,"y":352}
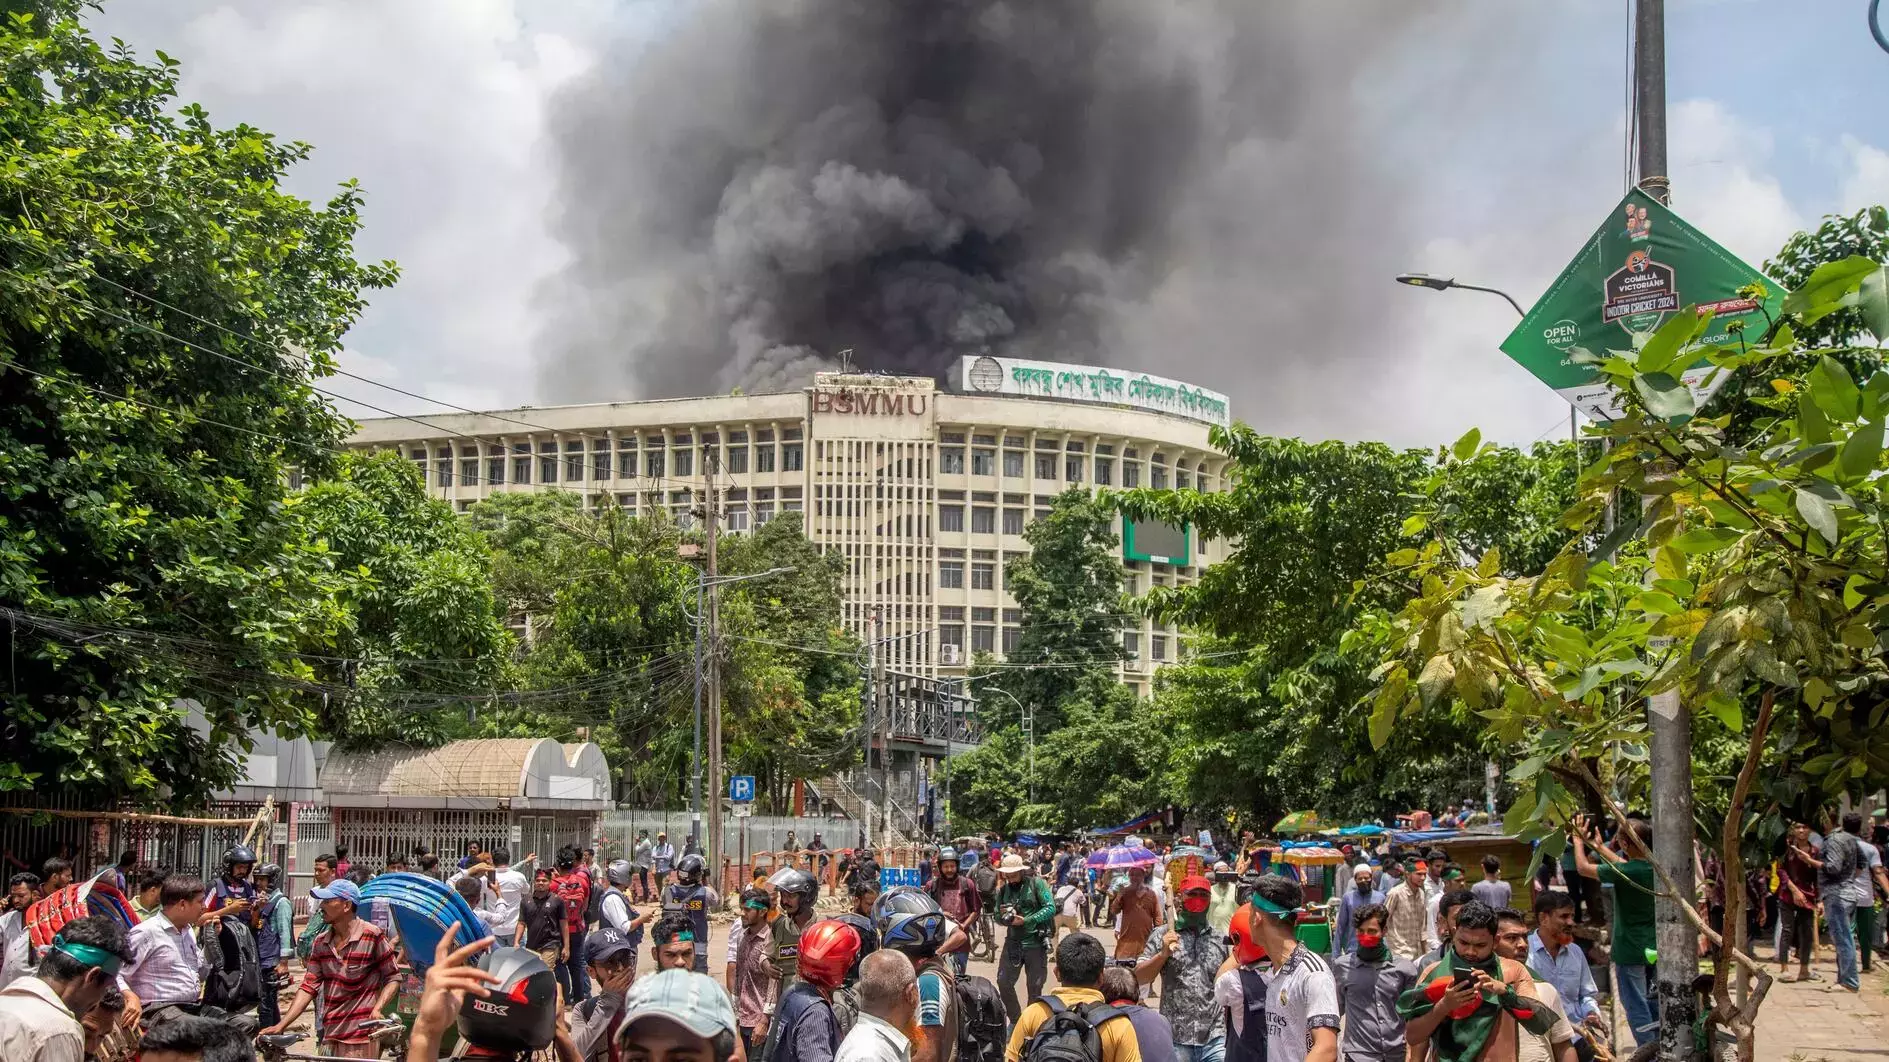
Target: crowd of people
{"x":1207,"y":966}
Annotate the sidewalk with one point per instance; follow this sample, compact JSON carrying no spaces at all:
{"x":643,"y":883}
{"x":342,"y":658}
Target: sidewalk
{"x":1803,"y":1023}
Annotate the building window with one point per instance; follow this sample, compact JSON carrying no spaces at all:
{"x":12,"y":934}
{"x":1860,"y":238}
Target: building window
{"x":951,"y":634}
{"x":1181,"y":480}
{"x":950,"y":517}
{"x":1013,"y":636}
{"x":574,"y":462}
{"x":951,"y":460}
{"x":1158,"y":477}
{"x":983,"y":462}
{"x":547,"y":466}
{"x":1104,"y":469}
{"x":983,"y":520}
{"x":521,"y":463}
{"x":983,"y":614}
{"x":737,"y":459}
{"x":652,"y":464}
{"x":469,"y":470}
{"x":495,"y":465}
{"x":1072,"y":469}
{"x":1013,"y":616}
{"x":792,"y":458}
{"x":1158,"y":647}
{"x":764,"y":458}
{"x":983,"y":639}
{"x":763,"y":512}
{"x":1045,"y":466}
{"x":600,"y":464}
{"x":685,"y":462}
{"x":443,"y":471}
{"x":1131,"y":474}
{"x":951,"y":575}
{"x":983,"y":576}
{"x":1013,"y":521}
{"x":1013,"y":463}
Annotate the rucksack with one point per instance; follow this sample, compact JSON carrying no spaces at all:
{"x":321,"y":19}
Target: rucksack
{"x":1070,"y":1035}
{"x":235,"y":978}
{"x":982,"y":1031}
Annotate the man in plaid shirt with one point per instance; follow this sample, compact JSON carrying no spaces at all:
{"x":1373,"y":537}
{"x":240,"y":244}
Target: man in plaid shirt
{"x":353,"y":966}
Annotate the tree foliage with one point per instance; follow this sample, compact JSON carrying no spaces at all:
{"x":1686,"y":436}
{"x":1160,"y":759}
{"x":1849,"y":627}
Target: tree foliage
{"x":164,"y":306}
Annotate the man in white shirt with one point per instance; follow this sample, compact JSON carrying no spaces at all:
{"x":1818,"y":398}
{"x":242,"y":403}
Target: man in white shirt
{"x":888,"y":1001}
{"x":39,"y":1014}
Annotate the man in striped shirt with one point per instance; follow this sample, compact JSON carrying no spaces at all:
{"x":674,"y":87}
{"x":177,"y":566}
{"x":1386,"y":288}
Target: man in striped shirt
{"x":353,"y":966}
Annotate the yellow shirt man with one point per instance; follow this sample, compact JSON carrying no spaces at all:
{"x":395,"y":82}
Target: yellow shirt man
{"x":1118,"y":1037}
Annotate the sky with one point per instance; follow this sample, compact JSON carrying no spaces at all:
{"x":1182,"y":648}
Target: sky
{"x":1502,"y":126}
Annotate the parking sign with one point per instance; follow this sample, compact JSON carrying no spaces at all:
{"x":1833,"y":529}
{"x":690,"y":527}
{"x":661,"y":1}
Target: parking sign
{"x":741,"y":788}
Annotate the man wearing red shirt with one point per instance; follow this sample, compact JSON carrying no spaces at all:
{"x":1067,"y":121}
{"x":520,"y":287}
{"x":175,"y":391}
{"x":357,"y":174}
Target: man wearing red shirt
{"x":353,"y":967}
{"x":572,"y":885}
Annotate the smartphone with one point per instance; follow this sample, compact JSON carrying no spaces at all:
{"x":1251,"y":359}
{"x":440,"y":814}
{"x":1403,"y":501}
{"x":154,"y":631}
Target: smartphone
{"x":1463,"y":976}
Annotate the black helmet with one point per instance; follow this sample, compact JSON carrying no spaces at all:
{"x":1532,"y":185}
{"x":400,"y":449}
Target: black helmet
{"x":618,"y":872}
{"x":789,"y":881}
{"x":690,"y":868}
{"x":947,"y":854}
{"x":868,"y":941}
{"x":521,"y":1013}
{"x":239,"y":854}
{"x":910,"y":921}
{"x":268,"y":870}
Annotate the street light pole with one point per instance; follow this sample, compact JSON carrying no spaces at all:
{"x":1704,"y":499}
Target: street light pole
{"x":1425,"y":280}
{"x":1028,"y":718}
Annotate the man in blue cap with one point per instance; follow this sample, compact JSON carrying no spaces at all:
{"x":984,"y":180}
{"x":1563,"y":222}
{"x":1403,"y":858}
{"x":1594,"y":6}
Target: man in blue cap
{"x":353,"y":967}
{"x":678,"y":1014}
{"x":612,"y":962}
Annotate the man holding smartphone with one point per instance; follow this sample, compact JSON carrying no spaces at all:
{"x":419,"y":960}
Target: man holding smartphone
{"x":1470,"y":1005}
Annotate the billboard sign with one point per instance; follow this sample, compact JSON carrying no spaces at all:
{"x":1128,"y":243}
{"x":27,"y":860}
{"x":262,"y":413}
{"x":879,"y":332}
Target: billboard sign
{"x":1643,"y":264}
{"x":981,"y":374}
{"x":1152,"y":540}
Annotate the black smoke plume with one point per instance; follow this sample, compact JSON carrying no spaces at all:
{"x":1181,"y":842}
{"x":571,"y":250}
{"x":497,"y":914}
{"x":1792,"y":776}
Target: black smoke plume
{"x":1151,"y":184}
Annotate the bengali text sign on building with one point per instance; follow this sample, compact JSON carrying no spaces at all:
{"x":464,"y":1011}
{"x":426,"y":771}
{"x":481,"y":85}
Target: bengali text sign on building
{"x":1642,"y":265}
{"x":982,"y":374}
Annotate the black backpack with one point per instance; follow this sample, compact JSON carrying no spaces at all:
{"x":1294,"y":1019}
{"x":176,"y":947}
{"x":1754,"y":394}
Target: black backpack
{"x":1070,"y":1035}
{"x":982,"y":1028}
{"x":235,"y":979}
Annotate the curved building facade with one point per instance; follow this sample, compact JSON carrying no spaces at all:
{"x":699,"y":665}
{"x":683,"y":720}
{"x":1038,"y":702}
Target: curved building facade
{"x":925,"y":492}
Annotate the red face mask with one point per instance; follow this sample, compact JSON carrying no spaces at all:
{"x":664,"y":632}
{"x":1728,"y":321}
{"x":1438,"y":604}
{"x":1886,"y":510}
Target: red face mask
{"x":1194,"y":903}
{"x":1369,"y":940}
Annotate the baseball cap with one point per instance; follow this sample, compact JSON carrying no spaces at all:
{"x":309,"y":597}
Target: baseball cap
{"x":689,"y":999}
{"x":338,"y":889}
{"x":605,"y":944}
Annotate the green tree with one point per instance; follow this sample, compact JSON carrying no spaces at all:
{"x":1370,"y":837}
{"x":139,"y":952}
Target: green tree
{"x":1069,"y":590}
{"x":414,"y":583}
{"x":164,"y":307}
{"x":1758,"y":591}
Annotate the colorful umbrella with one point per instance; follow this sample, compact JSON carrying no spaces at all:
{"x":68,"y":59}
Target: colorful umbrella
{"x":1316,"y":856}
{"x":1122,"y":856}
{"x":1297,"y":822}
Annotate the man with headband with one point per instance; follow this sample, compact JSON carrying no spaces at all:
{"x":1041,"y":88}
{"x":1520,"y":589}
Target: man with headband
{"x":1290,"y":1012}
{"x":39,"y":1013}
{"x":1407,"y":928}
{"x":1187,"y":959}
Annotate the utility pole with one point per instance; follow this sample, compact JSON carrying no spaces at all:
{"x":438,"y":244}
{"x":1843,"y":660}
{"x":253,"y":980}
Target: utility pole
{"x":712,"y":517}
{"x":884,"y":718}
{"x":1670,"y":750}
{"x":695,"y":758}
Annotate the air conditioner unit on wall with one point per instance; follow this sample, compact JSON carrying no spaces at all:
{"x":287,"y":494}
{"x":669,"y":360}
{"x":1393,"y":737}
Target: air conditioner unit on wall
{"x":951,"y":654}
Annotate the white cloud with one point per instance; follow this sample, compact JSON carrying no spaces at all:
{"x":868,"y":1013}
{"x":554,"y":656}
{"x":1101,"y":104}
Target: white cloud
{"x":1867,"y":183}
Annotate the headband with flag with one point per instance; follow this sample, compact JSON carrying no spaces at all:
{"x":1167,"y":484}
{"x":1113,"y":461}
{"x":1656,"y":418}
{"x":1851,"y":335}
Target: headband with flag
{"x":106,"y":962}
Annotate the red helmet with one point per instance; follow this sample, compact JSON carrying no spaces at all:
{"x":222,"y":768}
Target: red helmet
{"x":1246,"y":950}
{"x":827,"y":950}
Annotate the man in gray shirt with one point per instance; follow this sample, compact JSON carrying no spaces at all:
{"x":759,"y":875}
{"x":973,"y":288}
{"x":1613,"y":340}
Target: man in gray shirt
{"x":1369,"y":982}
{"x":1492,"y":890}
{"x":1187,"y":959}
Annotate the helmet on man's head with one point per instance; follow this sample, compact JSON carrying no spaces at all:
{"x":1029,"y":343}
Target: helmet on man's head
{"x":947,"y":854}
{"x":271,"y":871}
{"x":691,"y":869}
{"x":828,"y":950}
{"x":911,"y":921}
{"x":521,"y":1013}
{"x":618,"y":872}
{"x":237,"y":855}
{"x":790,"y":881}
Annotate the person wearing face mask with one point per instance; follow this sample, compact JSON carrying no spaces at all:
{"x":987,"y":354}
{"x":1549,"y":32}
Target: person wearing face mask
{"x":1370,"y":981}
{"x":1362,"y":894}
{"x":1472,"y":1005}
{"x":1187,"y":959}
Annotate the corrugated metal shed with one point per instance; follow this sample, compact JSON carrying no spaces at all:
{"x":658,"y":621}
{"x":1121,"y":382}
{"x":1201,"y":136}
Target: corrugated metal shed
{"x":472,"y":774}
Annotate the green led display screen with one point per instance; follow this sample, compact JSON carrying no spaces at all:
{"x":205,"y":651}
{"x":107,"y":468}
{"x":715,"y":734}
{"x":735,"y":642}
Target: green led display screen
{"x":1152,"y":540}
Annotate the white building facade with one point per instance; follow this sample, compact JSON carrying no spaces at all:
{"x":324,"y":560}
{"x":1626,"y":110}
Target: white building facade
{"x":925,"y":492}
